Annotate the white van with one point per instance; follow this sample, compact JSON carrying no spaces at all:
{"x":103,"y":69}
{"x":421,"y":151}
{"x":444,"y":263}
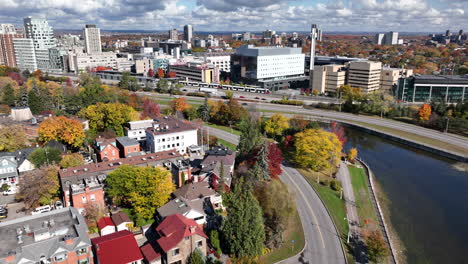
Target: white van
{"x":41,"y":209}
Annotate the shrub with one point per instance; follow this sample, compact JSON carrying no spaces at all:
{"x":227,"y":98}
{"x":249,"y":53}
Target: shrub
{"x":335,"y":185}
{"x":288,"y":102}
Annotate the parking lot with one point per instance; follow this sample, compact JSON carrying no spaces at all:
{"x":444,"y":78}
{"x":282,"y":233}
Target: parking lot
{"x":15,"y":209}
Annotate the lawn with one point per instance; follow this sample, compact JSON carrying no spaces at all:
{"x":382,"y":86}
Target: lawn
{"x":224,"y":128}
{"x":288,"y":249}
{"x":364,"y":205}
{"x":227,"y":144}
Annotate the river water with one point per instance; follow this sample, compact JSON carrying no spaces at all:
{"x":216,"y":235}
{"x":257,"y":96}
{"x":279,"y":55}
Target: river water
{"x":428,"y":198}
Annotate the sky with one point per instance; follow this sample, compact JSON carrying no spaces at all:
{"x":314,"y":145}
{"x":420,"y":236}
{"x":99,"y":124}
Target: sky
{"x":245,"y":15}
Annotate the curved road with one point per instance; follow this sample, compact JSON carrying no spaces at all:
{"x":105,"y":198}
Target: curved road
{"x":322,"y":241}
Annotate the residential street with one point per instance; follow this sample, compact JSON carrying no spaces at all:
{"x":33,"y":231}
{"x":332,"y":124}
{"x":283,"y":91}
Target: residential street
{"x":322,"y":240}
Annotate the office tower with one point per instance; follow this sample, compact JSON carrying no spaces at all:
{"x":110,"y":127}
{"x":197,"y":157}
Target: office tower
{"x":173,"y":34}
{"x":328,"y":78}
{"x":246,"y":36}
{"x":25,"y":54}
{"x":188,"y":33}
{"x":379,"y":38}
{"x":42,"y":34}
{"x":447,"y":33}
{"x":7,"y":51}
{"x":391,"y":38}
{"x":364,"y":75}
{"x":92,"y":38}
{"x":268,"y":33}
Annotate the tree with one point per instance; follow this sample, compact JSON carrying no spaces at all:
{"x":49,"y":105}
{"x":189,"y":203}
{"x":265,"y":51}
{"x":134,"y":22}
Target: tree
{"x":150,"y":109}
{"x":214,"y":241}
{"x":338,"y":130}
{"x":109,"y":116}
{"x":196,"y":257}
{"x":275,"y":125}
{"x":275,"y":159}
{"x":45,"y":156}
{"x":92,"y":213}
{"x":424,"y":112}
{"x":65,"y":130}
{"x":204,"y":111}
{"x":250,"y":137}
{"x":228,"y":94}
{"x":179,"y":105}
{"x":161,"y":73}
{"x":128,"y":82}
{"x":352,"y":154}
{"x":377,"y":249}
{"x":317,"y":149}
{"x":72,"y":160}
{"x":8,"y":95}
{"x":12,"y":138}
{"x":143,"y":189}
{"x":39,"y":186}
{"x":262,"y":164}
{"x":276,"y":211}
{"x":150,"y":73}
{"x":243,"y":230}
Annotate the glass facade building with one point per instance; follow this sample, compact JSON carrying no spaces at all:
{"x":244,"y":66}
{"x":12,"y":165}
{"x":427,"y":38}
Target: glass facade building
{"x":427,"y":88}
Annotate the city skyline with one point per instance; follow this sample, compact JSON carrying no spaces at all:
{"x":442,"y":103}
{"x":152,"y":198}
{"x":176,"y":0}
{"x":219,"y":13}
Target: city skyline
{"x":242,"y":15}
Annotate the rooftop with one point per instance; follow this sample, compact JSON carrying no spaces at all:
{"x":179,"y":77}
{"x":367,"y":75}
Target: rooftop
{"x":194,"y":191}
{"x":117,"y":248}
{"x":127,"y":142}
{"x":120,"y":218}
{"x":150,"y":253}
{"x":251,"y":50}
{"x":441,"y":79}
{"x":105,"y":221}
{"x":175,"y":228}
{"x":168,"y":125}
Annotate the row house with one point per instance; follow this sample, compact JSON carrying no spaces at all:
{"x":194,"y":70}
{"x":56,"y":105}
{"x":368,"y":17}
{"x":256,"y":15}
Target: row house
{"x":12,"y":164}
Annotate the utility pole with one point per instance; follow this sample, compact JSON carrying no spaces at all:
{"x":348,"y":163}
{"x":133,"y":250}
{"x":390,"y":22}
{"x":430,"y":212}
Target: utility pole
{"x":447,"y":125}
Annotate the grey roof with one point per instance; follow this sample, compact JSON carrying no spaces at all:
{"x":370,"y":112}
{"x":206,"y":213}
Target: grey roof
{"x":21,"y":154}
{"x":252,"y":51}
{"x":194,"y":191}
{"x":180,"y":206}
{"x":40,"y":237}
{"x":441,"y":79}
{"x":10,"y":168}
{"x":127,"y":142}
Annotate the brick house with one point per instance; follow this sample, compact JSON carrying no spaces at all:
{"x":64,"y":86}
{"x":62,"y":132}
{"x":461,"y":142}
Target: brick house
{"x":178,"y":238}
{"x":106,"y":149}
{"x":117,"y":248}
{"x":128,"y":147}
{"x":56,"y":237}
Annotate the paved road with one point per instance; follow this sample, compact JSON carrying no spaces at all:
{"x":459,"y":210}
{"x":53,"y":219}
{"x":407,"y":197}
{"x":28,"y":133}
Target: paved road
{"x":322,"y":240}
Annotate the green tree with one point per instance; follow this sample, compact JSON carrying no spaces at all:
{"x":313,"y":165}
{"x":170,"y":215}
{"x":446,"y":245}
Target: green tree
{"x":204,"y":111}
{"x":377,"y":249}
{"x":9,"y":95}
{"x":39,"y":186}
{"x":250,"y":137}
{"x":262,"y":167}
{"x":163,"y":84}
{"x":45,"y":156}
{"x":215,"y":242}
{"x":142,"y":189}
{"x":129,"y":82}
{"x":228,"y":94}
{"x":196,"y":257}
{"x":72,"y":160}
{"x":243,"y":230}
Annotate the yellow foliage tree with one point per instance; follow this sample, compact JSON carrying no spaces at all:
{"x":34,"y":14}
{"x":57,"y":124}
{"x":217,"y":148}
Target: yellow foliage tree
{"x":72,"y":160}
{"x":12,"y":138}
{"x":276,"y":125}
{"x":63,"y":129}
{"x":179,"y":105}
{"x":352,"y":154}
{"x":317,"y":149}
{"x":424,"y":112}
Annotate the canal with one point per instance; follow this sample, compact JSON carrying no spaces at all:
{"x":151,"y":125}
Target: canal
{"x":428,"y":198}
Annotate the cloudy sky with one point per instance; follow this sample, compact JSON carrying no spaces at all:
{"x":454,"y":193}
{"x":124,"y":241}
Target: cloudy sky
{"x":243,"y":15}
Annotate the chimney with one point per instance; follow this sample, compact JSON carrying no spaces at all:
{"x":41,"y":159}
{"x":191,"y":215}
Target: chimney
{"x":193,"y":229}
{"x":68,"y":240}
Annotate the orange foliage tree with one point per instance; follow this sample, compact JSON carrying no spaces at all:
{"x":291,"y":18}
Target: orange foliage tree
{"x":424,"y":112}
{"x":161,"y":73}
{"x":179,"y":105}
{"x":65,"y":130}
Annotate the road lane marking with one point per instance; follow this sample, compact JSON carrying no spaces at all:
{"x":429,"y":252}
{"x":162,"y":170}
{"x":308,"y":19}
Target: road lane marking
{"x":308,"y":205}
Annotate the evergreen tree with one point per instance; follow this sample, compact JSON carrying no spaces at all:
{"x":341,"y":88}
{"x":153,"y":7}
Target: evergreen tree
{"x":221,"y":180}
{"x":35,"y":103}
{"x":263,"y":162}
{"x":8,"y":95}
{"x":243,"y":230}
{"x":204,"y":111}
{"x":250,"y":136}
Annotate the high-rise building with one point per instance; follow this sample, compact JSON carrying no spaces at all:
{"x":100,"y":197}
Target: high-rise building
{"x":379,"y":38}
{"x":25,"y":54}
{"x":7,"y":50}
{"x":188,"y":33}
{"x":92,"y":38}
{"x":268,"y":33}
{"x":328,"y":78}
{"x":246,"y":36}
{"x":173,"y":34}
{"x":364,"y":75}
{"x":391,"y":38}
{"x":42,"y":34}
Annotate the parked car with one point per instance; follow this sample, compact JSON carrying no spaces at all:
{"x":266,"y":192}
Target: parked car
{"x":9,"y":191}
{"x":241,"y":96}
{"x":257,"y":98}
{"x":264,"y":99}
{"x":3,"y":212}
{"x":58,"y":205}
{"x":41,"y":209}
{"x":244,"y":104}
{"x":184,"y":90}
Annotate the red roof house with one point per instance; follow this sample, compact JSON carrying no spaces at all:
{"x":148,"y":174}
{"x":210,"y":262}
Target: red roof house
{"x":106,"y":226}
{"x":117,"y":248}
{"x":151,"y":256}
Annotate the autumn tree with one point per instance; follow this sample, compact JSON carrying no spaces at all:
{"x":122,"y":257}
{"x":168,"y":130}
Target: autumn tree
{"x":65,"y":130}
{"x":39,"y":186}
{"x":109,"y":116}
{"x":150,"y":73}
{"x":243,"y":231}
{"x":317,"y":149}
{"x":92,"y":213}
{"x":72,"y":160}
{"x":150,"y":109}
{"x":299,"y":122}
{"x":377,"y":249}
{"x":179,"y":105}
{"x":276,"y":212}
{"x":142,"y":189}
{"x":161,"y":73}
{"x":352,"y":154}
{"x":228,"y":94}
{"x":275,"y":125}
{"x":45,"y":156}
{"x":424,"y":112}
{"x":275,"y":159}
{"x":12,"y":138}
{"x":338,"y":130}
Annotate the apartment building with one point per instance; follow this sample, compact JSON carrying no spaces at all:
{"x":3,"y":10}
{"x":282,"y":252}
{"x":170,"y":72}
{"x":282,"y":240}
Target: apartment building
{"x":389,"y":78}
{"x":364,"y":75}
{"x":56,"y":237}
{"x":222,"y":60}
{"x":7,"y":50}
{"x":92,"y":37}
{"x":328,"y":78}
{"x":42,"y":34}
{"x":25,"y":54}
{"x":188,"y":33}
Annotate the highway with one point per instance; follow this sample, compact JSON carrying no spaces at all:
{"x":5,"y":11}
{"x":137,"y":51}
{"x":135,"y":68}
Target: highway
{"x":322,"y":241}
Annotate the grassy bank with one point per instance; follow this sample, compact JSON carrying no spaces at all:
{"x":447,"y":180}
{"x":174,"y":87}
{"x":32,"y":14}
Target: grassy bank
{"x":227,"y":144}
{"x":364,"y":205}
{"x":224,"y":128}
{"x":288,"y":249}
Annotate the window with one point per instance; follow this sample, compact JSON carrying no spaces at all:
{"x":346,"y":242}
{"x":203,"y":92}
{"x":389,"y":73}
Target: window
{"x":83,"y":199}
{"x":159,"y":140}
{"x":175,"y":252}
{"x":83,"y":261}
{"x":186,"y":238}
{"x":81,"y":251}
{"x":92,"y":197}
{"x":200,"y":243}
{"x":134,"y":149}
{"x":61,"y":257}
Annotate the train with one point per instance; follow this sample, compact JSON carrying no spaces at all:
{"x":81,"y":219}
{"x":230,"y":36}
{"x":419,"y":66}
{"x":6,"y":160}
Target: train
{"x":225,"y":87}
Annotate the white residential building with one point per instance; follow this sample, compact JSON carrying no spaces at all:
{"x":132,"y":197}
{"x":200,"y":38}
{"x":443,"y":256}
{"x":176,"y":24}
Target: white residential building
{"x":85,"y":61}
{"x":92,"y":37}
{"x":364,"y":75}
{"x":25,"y":54}
{"x":42,"y":34}
{"x":137,"y":129}
{"x":220,"y":60}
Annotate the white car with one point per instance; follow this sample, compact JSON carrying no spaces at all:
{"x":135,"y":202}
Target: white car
{"x":41,"y":209}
